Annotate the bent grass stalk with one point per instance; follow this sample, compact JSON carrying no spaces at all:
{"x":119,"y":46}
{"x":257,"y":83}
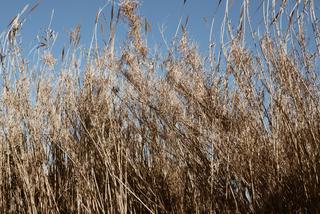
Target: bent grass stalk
{"x":235,"y":132}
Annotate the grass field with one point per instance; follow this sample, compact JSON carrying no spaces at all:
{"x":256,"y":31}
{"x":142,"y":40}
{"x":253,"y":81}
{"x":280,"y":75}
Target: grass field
{"x":95,"y":131}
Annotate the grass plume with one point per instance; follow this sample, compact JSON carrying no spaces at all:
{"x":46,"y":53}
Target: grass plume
{"x":101,"y":132}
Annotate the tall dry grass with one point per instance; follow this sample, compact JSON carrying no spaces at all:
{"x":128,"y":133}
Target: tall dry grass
{"x":100,"y":132}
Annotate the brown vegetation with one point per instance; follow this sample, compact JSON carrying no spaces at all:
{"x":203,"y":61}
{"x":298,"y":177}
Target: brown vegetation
{"x":238,"y":131}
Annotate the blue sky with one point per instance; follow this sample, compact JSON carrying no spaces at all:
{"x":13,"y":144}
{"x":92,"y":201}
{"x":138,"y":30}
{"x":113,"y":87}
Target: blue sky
{"x":68,"y":13}
{"x":166,"y":13}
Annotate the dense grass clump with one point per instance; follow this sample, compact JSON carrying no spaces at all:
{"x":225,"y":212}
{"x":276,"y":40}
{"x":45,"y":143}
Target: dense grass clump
{"x":96,"y":131}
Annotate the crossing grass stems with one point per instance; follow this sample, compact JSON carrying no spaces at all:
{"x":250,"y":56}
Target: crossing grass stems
{"x":126,"y":131}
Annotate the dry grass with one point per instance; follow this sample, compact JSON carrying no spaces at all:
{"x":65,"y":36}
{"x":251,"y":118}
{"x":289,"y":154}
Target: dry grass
{"x":102,"y":132}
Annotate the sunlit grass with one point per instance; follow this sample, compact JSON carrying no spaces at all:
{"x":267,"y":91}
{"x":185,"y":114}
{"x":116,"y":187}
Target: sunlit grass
{"x":100,"y":132}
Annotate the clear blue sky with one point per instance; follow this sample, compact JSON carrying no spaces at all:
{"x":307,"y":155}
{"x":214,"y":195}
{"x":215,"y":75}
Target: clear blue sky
{"x":68,"y":13}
